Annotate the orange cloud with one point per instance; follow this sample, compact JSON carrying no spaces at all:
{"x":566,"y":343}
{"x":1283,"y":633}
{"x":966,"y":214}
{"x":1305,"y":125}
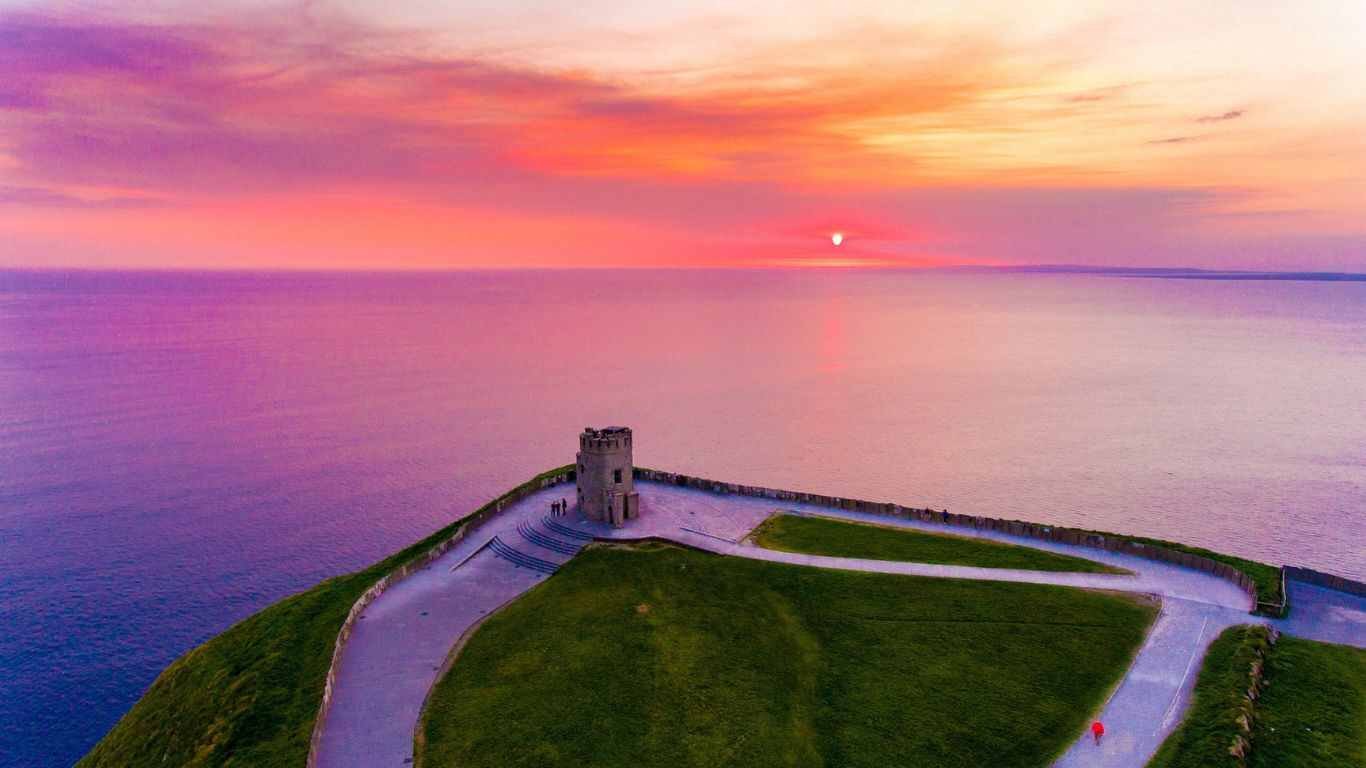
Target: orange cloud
{"x":266,"y":143}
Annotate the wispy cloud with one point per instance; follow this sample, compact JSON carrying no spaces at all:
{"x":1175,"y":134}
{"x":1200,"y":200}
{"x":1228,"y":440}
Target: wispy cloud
{"x":47,"y":198}
{"x":34,"y":45}
{"x":206,"y":110}
{"x":222,"y":112}
{"x":1232,"y":114}
{"x":1099,"y":94}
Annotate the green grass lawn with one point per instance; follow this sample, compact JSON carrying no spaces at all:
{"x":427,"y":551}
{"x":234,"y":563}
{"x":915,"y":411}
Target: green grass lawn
{"x":1312,"y":713}
{"x":824,"y":536}
{"x":660,"y":656}
{"x":249,"y":696}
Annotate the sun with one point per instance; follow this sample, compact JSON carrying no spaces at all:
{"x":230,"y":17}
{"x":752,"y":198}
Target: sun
{"x":837,"y":238}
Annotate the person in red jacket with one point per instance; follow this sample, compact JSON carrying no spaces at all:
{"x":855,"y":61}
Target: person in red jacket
{"x":1097,"y":730}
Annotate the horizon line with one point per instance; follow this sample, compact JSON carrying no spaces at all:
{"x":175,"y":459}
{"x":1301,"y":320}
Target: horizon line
{"x":1191,"y":273}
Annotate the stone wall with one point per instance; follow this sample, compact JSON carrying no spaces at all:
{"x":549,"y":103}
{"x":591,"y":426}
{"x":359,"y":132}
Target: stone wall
{"x":1072,"y":536}
{"x":466,"y":527}
{"x":1258,"y":645}
{"x":1321,"y":579}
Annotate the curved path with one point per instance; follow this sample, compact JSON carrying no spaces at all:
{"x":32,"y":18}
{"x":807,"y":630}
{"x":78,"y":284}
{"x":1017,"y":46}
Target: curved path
{"x":396,"y":651}
{"x":398,"y":646}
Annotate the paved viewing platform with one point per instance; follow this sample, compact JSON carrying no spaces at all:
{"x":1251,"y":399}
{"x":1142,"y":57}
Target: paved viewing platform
{"x":396,"y":652}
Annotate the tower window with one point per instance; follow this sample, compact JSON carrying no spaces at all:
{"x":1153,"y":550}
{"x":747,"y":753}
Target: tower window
{"x":616,"y":476}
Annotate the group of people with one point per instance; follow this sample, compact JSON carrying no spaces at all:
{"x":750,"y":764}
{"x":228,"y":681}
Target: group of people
{"x":559,"y":508}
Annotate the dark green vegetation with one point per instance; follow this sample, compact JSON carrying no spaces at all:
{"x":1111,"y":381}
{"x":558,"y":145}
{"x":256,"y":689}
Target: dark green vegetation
{"x":249,"y":696}
{"x":823,"y":536}
{"x":659,"y":656}
{"x":1310,"y":714}
{"x":1210,"y":726}
{"x":1313,"y":713}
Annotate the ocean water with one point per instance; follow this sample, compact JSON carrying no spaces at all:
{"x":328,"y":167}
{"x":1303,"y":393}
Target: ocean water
{"x":179,"y":450}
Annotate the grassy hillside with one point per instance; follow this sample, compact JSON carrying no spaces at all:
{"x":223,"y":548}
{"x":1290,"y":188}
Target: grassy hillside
{"x":658,"y":656}
{"x":824,"y":536}
{"x":1311,"y":714}
{"x":249,"y":696}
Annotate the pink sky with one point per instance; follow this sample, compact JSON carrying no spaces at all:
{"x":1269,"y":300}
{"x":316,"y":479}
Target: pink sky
{"x":605,"y":133}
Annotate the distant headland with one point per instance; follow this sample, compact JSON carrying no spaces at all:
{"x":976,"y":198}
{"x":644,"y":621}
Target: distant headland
{"x":1177,"y":273}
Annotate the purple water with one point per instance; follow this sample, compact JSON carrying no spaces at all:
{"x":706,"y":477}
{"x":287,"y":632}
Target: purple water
{"x":179,"y":450}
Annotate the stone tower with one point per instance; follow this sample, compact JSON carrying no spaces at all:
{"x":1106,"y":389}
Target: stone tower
{"x":607,"y":492}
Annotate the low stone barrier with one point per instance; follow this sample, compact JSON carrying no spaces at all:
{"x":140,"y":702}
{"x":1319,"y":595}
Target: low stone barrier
{"x":1260,"y":644}
{"x":1271,"y":608}
{"x":468,"y":525}
{"x":1072,"y":536}
{"x":1321,"y":579}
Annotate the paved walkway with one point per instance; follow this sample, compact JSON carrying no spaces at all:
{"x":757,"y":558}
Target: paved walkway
{"x":1154,"y":694}
{"x":718,"y":523}
{"x":404,"y":636}
{"x":394,"y":654}
{"x":1324,"y":614}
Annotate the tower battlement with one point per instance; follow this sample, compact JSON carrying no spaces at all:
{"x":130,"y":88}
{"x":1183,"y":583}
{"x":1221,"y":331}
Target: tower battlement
{"x":605,"y":475}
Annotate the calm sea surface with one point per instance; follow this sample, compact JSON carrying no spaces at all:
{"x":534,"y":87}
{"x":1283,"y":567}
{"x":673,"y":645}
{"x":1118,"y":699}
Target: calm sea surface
{"x":179,"y":450}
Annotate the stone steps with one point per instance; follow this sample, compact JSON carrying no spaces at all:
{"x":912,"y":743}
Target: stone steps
{"x":564,"y":530}
{"x":545,"y":541}
{"x":520,"y":559}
